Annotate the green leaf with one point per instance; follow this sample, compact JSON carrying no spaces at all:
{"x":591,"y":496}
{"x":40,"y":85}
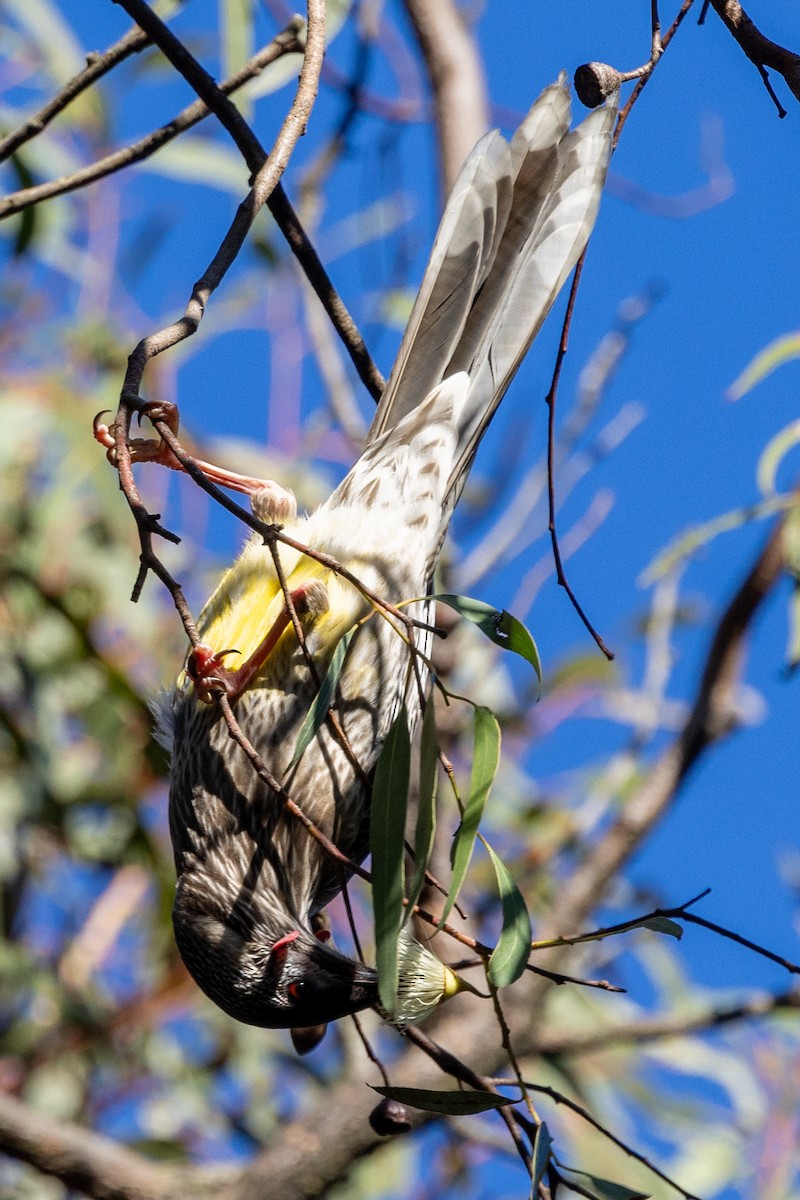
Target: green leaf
{"x":315,"y":717}
{"x":499,"y":626}
{"x":664,"y":925}
{"x":793,"y":648}
{"x":781,"y":351}
{"x":773,"y":455}
{"x":28,"y":217}
{"x":541,"y":1158}
{"x":426,"y":807}
{"x":455,"y":1104}
{"x":606,"y":1189}
{"x":514,"y":945}
{"x":485,"y":759}
{"x":387,"y":843}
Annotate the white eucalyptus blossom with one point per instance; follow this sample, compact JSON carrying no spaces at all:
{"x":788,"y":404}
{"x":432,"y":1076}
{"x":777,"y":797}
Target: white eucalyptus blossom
{"x":423,"y":981}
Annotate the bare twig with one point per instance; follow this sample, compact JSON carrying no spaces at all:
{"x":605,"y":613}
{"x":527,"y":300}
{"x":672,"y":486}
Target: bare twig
{"x":285,"y":43}
{"x":560,"y":1098}
{"x":550,"y":401}
{"x":266,"y":188}
{"x":713,"y":716}
{"x":651,"y":1029}
{"x":760,"y":50}
{"x":97,"y":65}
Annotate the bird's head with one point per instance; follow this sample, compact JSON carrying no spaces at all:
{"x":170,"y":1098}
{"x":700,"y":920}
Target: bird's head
{"x":278,"y":975}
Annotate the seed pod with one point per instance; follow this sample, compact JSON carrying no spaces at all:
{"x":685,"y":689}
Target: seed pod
{"x":389,"y":1117}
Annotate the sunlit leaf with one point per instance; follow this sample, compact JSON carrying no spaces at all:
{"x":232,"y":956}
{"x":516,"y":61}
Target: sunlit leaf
{"x":485,"y":759}
{"x":455,"y":1104}
{"x":773,"y":455}
{"x":236,"y":35}
{"x":781,"y":351}
{"x":514,"y":944}
{"x":315,"y":717}
{"x":499,"y":626}
{"x":387,"y":834}
{"x":793,"y":648}
{"x":199,"y":160}
{"x":426,"y":806}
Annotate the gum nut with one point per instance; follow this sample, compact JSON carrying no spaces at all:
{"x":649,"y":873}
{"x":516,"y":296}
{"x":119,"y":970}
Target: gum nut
{"x":389,"y":1117}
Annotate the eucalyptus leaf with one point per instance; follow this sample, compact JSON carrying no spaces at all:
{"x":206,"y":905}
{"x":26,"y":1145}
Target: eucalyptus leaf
{"x":499,"y":626}
{"x":542,"y":1144}
{"x":772,"y":456}
{"x":387,"y":844}
{"x":455,"y":1104}
{"x":426,"y":805}
{"x":664,"y":925}
{"x":514,"y":944}
{"x":778,"y":352}
{"x":485,"y":759}
{"x":315,"y":717}
{"x":605,"y":1189}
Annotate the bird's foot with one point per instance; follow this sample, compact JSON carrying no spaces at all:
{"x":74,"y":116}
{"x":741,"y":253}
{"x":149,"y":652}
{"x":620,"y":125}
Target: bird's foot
{"x":156,"y":450}
{"x":206,"y":667}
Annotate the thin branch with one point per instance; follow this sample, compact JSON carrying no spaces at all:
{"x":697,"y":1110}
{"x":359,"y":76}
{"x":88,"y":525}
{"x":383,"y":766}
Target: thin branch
{"x":651,"y":1029}
{"x":713,"y":716}
{"x":760,"y":50}
{"x":550,"y":401}
{"x":285,"y":43}
{"x":560,"y":1098}
{"x":266,"y":188}
{"x":97,"y":65}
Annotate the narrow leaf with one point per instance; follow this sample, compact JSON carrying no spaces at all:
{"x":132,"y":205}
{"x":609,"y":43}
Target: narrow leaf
{"x":664,"y":925}
{"x":499,"y":626}
{"x":485,"y":758}
{"x":514,"y":945}
{"x":793,"y":648}
{"x":315,"y":717}
{"x":456,"y":1104}
{"x":426,"y":808}
{"x":773,"y":455}
{"x":540,"y":1158}
{"x":606,"y":1189}
{"x":781,"y":351}
{"x":387,"y":843}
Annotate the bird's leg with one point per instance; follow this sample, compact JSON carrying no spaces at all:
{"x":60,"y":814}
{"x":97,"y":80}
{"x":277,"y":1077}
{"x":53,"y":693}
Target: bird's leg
{"x":157,"y":451}
{"x":206,"y":669}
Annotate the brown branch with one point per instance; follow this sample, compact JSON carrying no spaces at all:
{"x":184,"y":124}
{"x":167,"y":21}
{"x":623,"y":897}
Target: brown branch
{"x":651,"y":1029}
{"x":457,"y":79}
{"x":95,"y":1165}
{"x":266,"y":188}
{"x":285,"y":43}
{"x":759,"y":49}
{"x":97,"y":65}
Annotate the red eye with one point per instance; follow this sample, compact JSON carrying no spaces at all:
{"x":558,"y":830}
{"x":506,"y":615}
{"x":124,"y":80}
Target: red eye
{"x":295,"y":990}
{"x":323,"y":935}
